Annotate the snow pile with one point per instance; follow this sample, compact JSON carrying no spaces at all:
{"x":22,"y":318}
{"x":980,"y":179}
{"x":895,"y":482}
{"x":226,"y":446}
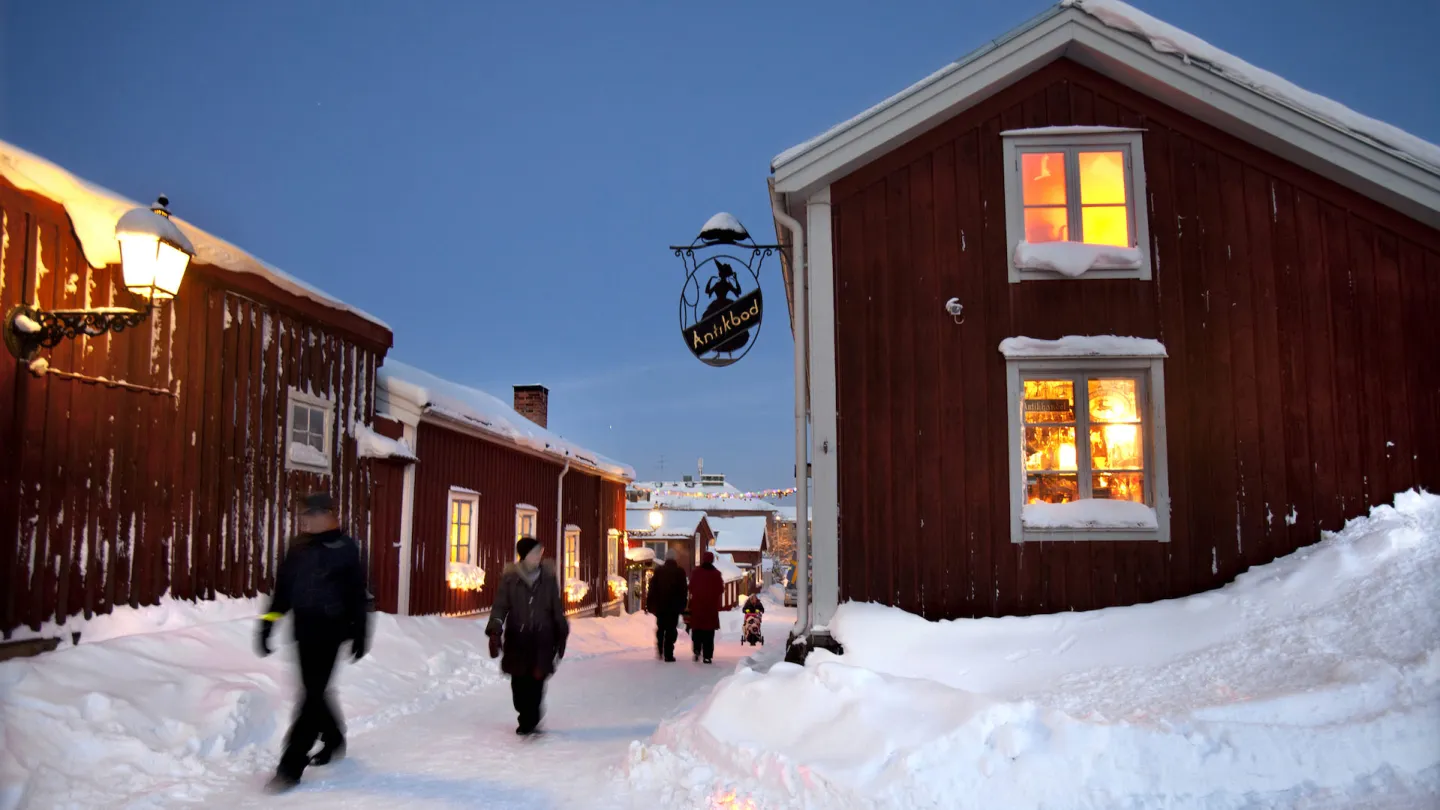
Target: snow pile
{"x":729,"y":571}
{"x":640,"y":554}
{"x":1166,"y":38}
{"x":576,"y":589}
{"x":464,"y":577}
{"x":170,"y":614}
{"x":1081,"y":346}
{"x":308,"y":456}
{"x":1312,"y":680}
{"x":1075,"y":259}
{"x":94,"y":212}
{"x":475,"y":407}
{"x":372,"y":445}
{"x":1089,"y":513}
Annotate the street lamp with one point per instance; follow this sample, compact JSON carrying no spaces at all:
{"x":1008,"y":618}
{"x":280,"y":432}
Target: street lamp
{"x":153,"y":257}
{"x":656,"y":519}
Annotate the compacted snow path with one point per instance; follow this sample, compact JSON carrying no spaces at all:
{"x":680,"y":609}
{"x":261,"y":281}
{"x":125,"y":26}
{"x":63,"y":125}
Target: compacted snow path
{"x":464,"y":752}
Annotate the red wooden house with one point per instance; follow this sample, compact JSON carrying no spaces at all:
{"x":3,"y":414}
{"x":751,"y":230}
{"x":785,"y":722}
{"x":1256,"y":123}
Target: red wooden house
{"x":1268,"y":261}
{"x":178,"y":474}
{"x":445,"y":526}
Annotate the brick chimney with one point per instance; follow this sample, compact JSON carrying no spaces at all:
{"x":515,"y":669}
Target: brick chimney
{"x":533,"y":403}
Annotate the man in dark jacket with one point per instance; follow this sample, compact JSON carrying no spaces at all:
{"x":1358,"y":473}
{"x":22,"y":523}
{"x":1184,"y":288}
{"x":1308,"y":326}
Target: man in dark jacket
{"x":707,"y":590}
{"x":667,"y":602}
{"x":530,"y":615}
{"x":322,"y":583}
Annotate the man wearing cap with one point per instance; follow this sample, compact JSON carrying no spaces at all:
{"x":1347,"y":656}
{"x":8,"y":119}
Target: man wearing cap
{"x":322,"y":583}
{"x":530,"y":616}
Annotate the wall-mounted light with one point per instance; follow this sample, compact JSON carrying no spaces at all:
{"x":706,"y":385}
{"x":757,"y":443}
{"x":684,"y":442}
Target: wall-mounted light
{"x":656,"y":519}
{"x":154,"y":255}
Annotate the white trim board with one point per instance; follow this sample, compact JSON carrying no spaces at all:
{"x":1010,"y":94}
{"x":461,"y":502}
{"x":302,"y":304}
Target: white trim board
{"x":824,"y":422}
{"x":1284,"y":129}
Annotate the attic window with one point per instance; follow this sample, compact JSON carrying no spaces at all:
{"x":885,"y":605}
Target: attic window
{"x":1070,"y":198}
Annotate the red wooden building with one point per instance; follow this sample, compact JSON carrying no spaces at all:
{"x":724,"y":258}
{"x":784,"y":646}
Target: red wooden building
{"x":446,"y":525}
{"x":237,"y":396}
{"x":1269,"y":260}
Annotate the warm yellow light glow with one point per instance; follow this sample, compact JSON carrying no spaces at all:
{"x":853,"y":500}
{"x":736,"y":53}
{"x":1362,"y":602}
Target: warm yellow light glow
{"x":1042,"y":183}
{"x":1067,"y":456}
{"x":1104,"y":218}
{"x":656,"y":519}
{"x":152,"y":268}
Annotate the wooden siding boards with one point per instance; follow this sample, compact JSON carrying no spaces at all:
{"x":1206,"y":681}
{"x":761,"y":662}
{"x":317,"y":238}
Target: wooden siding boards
{"x":121,"y":497}
{"x":1295,"y":313}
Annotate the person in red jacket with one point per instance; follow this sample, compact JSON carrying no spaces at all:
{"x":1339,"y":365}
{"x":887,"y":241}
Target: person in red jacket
{"x":707,"y":589}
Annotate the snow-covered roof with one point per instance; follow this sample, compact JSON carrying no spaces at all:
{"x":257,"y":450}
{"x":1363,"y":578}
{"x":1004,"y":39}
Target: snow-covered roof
{"x":373,"y":445}
{"x":1118,"y":40}
{"x":738,"y":533}
{"x":1081,"y":346}
{"x":94,"y":212}
{"x":478,"y":409}
{"x":639,"y":554}
{"x":706,"y":498}
{"x":676,"y":524}
{"x":729,"y":571}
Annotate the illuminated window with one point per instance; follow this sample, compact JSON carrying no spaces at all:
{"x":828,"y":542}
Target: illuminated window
{"x":463,"y":506}
{"x":526,"y":520}
{"x":572,"y":553}
{"x":1088,"y":430}
{"x":1081,"y":186}
{"x":612,"y":552}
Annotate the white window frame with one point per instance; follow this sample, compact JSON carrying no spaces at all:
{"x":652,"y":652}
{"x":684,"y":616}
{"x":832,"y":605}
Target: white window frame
{"x":471,"y":497}
{"x":1125,"y":140}
{"x":661,"y":552}
{"x":571,"y":550}
{"x":523,"y":511}
{"x":612,"y":552}
{"x":1151,"y":372}
{"x":314,"y":403}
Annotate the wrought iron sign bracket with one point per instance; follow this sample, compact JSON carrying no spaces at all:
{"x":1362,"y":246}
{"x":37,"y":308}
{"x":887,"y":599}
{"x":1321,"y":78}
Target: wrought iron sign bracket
{"x":723,"y":329}
{"x":28,"y":329}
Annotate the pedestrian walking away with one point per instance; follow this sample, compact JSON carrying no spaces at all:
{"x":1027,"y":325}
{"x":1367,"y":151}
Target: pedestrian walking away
{"x":528,"y":622}
{"x":707,"y":589}
{"x":322,"y":584}
{"x":667,"y":601}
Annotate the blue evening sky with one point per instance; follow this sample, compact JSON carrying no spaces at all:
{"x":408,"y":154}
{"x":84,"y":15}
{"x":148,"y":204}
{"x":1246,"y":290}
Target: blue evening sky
{"x":498,"y":181}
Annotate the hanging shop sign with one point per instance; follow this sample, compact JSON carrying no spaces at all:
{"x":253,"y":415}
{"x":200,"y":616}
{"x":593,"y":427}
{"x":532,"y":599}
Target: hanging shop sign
{"x":721,"y":304}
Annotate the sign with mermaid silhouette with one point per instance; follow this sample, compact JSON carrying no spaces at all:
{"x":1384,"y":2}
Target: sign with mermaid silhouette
{"x":721,"y":303}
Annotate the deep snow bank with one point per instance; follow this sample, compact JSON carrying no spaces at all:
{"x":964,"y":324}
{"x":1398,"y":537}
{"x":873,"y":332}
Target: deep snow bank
{"x":178,"y":695}
{"x":1314,"y":678}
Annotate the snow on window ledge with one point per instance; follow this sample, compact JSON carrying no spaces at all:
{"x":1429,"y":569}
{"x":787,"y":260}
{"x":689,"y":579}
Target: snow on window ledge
{"x":1079,"y":346}
{"x":372,"y":445}
{"x":465,"y":577}
{"x":1075,"y":259}
{"x":1036,"y":131}
{"x":307,"y":456}
{"x":1089,"y":513}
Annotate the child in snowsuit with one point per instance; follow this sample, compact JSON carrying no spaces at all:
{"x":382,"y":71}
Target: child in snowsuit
{"x":530,"y":617}
{"x":322,"y":582}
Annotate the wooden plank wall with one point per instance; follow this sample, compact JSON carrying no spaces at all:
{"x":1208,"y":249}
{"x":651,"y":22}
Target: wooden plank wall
{"x":116,"y":497}
{"x":1301,"y":387}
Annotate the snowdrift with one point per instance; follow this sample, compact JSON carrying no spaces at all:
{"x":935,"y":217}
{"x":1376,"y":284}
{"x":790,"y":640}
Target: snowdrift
{"x":1313,"y":679}
{"x":175,"y":693}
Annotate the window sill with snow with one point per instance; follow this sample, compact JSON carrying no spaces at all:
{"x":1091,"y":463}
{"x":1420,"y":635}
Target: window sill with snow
{"x":1089,"y":519}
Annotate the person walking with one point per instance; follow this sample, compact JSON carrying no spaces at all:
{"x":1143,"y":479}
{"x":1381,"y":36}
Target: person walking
{"x":707,"y":589}
{"x":322,"y":583}
{"x":667,"y":602}
{"x":530,"y":617}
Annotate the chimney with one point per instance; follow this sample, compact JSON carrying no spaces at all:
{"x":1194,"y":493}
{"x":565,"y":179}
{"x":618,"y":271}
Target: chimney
{"x":533,"y":403}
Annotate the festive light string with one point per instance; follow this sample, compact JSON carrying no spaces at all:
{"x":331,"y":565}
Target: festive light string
{"x":747,"y":496}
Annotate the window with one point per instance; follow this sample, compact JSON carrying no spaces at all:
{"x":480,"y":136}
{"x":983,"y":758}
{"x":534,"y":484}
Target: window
{"x":1087,"y":448}
{"x":1071,"y":204}
{"x":309,"y":432}
{"x":526,"y":520}
{"x":463,"y":506}
{"x":612,"y":552}
{"x":660,"y":547}
{"x":572,"y":553}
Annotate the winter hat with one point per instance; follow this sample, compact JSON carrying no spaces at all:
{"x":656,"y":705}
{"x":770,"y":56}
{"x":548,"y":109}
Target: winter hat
{"x":707,"y":559}
{"x":317,"y":503}
{"x":524,"y":546}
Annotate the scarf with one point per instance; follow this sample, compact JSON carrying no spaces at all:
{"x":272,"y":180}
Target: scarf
{"x":529,"y":576}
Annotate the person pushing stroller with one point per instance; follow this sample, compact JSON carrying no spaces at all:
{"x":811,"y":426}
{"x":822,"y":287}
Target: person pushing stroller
{"x":753,"y":609}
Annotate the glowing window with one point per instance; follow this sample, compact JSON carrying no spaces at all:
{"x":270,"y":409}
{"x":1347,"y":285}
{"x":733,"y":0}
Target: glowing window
{"x":1078,"y":186}
{"x":463,"y":506}
{"x":526,"y":517}
{"x":572,"y":553}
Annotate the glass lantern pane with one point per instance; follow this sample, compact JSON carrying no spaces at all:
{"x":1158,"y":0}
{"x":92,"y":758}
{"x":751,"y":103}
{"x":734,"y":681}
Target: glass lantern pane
{"x":1051,"y":489}
{"x":1050,"y":448}
{"x":138,"y":260}
{"x":1106,"y":225}
{"x":1116,"y":447}
{"x":1046,"y":225}
{"x":1128,"y":486}
{"x":1042,"y":178}
{"x":1102,"y":178}
{"x":1049,"y":401}
{"x":170,"y":264}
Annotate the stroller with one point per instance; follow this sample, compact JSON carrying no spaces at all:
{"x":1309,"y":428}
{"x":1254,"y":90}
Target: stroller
{"x":750,"y":631}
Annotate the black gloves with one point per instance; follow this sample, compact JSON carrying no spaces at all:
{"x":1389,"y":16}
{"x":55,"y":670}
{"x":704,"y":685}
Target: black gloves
{"x":262,"y":637}
{"x":494,"y":645}
{"x":358,"y":646}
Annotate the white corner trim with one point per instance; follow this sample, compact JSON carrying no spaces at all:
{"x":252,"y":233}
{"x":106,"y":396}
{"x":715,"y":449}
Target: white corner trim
{"x":824,"y":417}
{"x":407,"y":527}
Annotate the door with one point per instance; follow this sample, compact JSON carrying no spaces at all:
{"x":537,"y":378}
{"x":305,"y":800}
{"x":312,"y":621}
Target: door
{"x":386,"y":492}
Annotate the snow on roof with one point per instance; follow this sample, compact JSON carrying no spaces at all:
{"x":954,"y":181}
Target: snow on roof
{"x":639,"y":554}
{"x":729,"y":571}
{"x":1167,"y":39}
{"x":689,"y":495}
{"x":738,"y":533}
{"x":676,"y":524}
{"x":373,"y":445}
{"x":1082,"y":346}
{"x":475,"y":407}
{"x":94,"y":212}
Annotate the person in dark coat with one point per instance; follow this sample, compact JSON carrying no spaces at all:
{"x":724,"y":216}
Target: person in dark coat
{"x":707,"y":590}
{"x":667,"y":602}
{"x":530,"y":616}
{"x":322,"y":583}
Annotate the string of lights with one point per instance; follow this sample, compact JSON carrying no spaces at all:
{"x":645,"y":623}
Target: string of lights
{"x":746,"y":496}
